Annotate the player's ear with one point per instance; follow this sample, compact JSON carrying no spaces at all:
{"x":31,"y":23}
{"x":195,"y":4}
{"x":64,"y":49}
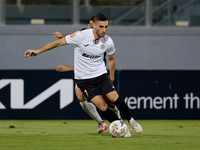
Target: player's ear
{"x":94,"y":25}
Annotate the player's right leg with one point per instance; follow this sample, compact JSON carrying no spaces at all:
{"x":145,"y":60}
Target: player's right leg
{"x":90,"y":109}
{"x":93,"y":94}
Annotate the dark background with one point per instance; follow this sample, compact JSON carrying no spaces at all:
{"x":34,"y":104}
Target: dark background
{"x":129,"y":83}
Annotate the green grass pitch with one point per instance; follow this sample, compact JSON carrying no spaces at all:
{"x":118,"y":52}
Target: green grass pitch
{"x":82,"y":135}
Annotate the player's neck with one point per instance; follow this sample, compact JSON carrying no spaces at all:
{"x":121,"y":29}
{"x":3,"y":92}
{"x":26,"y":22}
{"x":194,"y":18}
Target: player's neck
{"x":96,"y":36}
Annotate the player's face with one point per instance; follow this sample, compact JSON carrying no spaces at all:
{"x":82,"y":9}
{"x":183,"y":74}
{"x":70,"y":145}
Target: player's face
{"x":101,"y":28}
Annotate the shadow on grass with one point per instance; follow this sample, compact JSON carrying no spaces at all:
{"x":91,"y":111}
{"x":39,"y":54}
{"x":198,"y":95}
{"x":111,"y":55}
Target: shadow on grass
{"x":97,"y":134}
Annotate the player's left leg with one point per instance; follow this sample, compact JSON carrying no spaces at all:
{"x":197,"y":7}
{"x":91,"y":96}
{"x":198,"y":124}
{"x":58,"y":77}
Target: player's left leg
{"x":114,"y":97}
{"x":112,"y":107}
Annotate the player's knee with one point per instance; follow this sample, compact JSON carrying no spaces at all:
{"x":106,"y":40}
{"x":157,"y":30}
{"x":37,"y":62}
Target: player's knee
{"x":103,"y":109}
{"x":112,"y":96}
{"x":111,"y":105}
{"x":112,"y":100}
{"x":79,"y":94}
{"x":80,"y":97}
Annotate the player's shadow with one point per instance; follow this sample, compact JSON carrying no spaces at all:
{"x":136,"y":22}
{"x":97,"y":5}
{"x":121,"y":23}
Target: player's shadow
{"x":97,"y":134}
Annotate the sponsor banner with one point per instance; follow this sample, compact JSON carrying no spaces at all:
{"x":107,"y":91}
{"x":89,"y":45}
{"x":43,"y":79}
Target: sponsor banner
{"x":38,"y":94}
{"x":47,"y":94}
{"x":161,"y":94}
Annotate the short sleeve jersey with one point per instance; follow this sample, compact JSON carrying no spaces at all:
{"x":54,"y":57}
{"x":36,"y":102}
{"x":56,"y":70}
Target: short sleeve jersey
{"x":88,"y":54}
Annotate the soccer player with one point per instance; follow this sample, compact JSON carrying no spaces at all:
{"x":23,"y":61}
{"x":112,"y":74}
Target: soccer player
{"x":90,"y":72}
{"x":89,"y":108}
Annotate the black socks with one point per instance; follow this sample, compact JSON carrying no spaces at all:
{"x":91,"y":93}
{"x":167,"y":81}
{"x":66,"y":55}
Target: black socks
{"x":109,"y":115}
{"x":123,"y":108}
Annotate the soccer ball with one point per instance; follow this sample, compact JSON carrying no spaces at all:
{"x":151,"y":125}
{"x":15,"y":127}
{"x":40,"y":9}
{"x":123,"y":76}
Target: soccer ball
{"x":118,"y":129}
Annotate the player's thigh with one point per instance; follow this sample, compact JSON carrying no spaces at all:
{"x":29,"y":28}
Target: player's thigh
{"x":112,"y":96}
{"x":79,"y":94}
{"x":99,"y":102}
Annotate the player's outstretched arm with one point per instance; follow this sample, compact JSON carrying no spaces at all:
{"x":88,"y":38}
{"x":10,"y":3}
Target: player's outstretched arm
{"x":64,"y":68}
{"x":47,"y":47}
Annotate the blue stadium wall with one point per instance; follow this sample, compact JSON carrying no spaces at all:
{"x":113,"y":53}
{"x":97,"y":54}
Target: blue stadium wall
{"x":149,"y":94}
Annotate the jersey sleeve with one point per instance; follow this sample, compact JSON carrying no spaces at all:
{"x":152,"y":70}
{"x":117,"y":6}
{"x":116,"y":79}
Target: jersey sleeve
{"x":111,"y":49}
{"x":73,"y":38}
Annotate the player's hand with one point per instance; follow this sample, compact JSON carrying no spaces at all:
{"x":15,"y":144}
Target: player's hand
{"x":57,"y":34}
{"x":63,"y":68}
{"x":30,"y":53}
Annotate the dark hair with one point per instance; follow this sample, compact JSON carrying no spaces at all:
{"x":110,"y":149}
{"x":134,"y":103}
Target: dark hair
{"x":100,"y":17}
{"x":92,"y":18}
